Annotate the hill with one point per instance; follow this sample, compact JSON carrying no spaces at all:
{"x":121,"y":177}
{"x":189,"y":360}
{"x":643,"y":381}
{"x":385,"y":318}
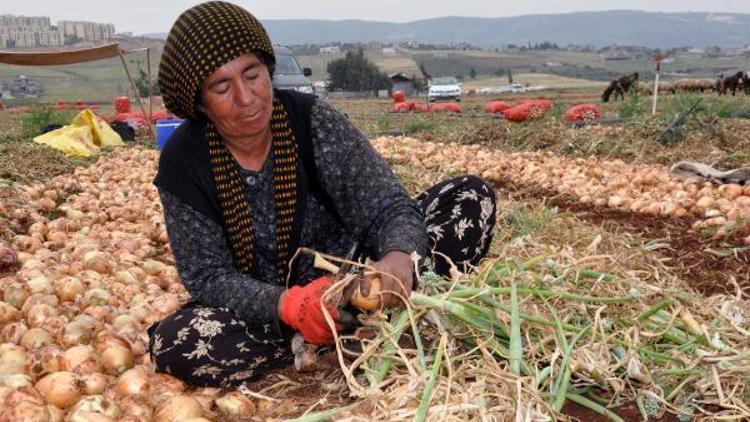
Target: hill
{"x":657,"y":30}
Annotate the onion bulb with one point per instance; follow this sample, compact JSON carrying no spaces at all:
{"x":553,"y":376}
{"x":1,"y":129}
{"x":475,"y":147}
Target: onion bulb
{"x":13,"y":332}
{"x":75,"y":333}
{"x":117,"y":359}
{"x":135,"y":407}
{"x":36,"y":337}
{"x":15,"y":296}
{"x":133,"y":382}
{"x":152,"y":267}
{"x":93,"y":408}
{"x":69,"y":288}
{"x":235,"y":405}
{"x":95,"y":383}
{"x":98,"y":261}
{"x":8,"y":313}
{"x":8,"y":256}
{"x":62,"y":389}
{"x":82,"y":360}
{"x":15,"y":381}
{"x":39,"y":314}
{"x":178,"y":408}
{"x":40,"y":284}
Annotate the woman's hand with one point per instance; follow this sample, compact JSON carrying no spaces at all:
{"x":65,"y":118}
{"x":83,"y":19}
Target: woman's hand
{"x":396,"y":272}
{"x":300,"y":308}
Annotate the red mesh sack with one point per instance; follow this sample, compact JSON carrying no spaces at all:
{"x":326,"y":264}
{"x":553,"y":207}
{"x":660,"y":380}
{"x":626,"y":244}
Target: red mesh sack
{"x":496,"y":107}
{"x":582,"y":112}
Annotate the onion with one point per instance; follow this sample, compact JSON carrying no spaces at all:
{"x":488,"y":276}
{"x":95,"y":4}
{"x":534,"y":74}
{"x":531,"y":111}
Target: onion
{"x":117,"y":359}
{"x":97,"y":297}
{"x":62,"y":389}
{"x":166,"y":304}
{"x":82,"y":360}
{"x":105,"y":339}
{"x":152,"y":267}
{"x":16,"y":296}
{"x":135,"y":407}
{"x":15,"y":381}
{"x":38,"y":298}
{"x":46,"y":360}
{"x":8,"y":313}
{"x":126,"y":277}
{"x":40,"y":284}
{"x":124,"y":321}
{"x":76,"y":333}
{"x":27,"y":244}
{"x":69,"y":288}
{"x":133,"y":382}
{"x":39,"y":314}
{"x":13,"y":332}
{"x":98,"y":261}
{"x":178,"y":408}
{"x":25,"y":404}
{"x":95,"y":383}
{"x":235,"y":405}
{"x":93,"y":408}
{"x":8,"y":257}
{"x":164,"y":386}
{"x":35,"y":338}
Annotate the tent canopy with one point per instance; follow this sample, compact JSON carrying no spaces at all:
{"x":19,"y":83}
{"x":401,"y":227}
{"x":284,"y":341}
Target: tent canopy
{"x":61,"y":57}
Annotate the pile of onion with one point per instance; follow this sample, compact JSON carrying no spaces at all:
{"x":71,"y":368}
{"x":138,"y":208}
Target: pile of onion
{"x":88,"y":278}
{"x":647,"y":189}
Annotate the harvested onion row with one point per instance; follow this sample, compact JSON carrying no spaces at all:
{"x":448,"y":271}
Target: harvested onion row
{"x":647,"y":189}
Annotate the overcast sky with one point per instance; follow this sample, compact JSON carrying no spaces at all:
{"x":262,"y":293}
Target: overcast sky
{"x":142,"y":16}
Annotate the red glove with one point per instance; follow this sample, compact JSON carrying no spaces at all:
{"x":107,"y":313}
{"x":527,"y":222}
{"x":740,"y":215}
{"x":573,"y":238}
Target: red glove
{"x":301,"y":309}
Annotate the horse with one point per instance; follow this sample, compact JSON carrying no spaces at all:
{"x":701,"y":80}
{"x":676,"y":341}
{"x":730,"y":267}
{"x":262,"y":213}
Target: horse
{"x":731,"y":83}
{"x":746,"y":83}
{"x":620,"y":87}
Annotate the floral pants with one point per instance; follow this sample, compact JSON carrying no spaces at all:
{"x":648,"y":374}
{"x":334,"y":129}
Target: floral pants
{"x":212,"y":347}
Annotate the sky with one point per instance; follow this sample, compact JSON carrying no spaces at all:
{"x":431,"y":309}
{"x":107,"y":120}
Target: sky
{"x":145,"y":16}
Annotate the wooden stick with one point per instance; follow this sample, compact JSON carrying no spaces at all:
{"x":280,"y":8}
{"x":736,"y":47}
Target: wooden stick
{"x":150,"y":94}
{"x":138,"y":97}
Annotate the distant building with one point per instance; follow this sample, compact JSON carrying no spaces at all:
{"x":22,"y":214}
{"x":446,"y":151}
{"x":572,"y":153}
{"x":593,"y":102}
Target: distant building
{"x":87,"y":31}
{"x":333,"y":49}
{"x":25,"y":87}
{"x":28,"y":32}
{"x":402,"y":83}
{"x":388,"y":50}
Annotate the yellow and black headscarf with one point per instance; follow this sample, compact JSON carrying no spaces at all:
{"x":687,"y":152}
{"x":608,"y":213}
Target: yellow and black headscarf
{"x":203,"y":39}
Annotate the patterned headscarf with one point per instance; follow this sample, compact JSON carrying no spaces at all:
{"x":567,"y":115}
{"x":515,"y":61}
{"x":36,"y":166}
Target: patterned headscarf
{"x":204,"y":38}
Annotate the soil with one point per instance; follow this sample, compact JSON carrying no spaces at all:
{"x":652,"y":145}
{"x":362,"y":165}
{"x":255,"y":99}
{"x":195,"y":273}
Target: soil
{"x":628,"y":412}
{"x":697,"y":259}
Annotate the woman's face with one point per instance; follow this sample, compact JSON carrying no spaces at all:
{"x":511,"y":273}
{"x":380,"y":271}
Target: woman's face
{"x":237,"y":97}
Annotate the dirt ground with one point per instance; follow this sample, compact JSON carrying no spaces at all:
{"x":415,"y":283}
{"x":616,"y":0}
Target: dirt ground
{"x":705,"y":263}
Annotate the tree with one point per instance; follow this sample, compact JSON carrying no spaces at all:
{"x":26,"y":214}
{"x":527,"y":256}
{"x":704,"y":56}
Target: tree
{"x":510,"y":77}
{"x":472,"y":73}
{"x":355,"y":72}
{"x":141,"y":83}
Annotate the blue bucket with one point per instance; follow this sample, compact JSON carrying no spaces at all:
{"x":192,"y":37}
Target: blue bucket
{"x":164,"y":129}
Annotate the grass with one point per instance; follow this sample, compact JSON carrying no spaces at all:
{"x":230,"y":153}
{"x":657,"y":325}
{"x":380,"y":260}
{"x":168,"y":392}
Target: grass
{"x":40,"y":117}
{"x":519,"y":220}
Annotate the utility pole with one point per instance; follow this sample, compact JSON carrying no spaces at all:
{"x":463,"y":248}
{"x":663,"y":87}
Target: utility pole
{"x":657,"y":67}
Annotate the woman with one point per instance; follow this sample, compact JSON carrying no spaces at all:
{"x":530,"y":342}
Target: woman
{"x":255,"y":173}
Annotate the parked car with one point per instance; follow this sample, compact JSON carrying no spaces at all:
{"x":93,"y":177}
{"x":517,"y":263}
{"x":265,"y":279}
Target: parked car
{"x":444,"y":88}
{"x":517,"y":88}
{"x":288,"y":74}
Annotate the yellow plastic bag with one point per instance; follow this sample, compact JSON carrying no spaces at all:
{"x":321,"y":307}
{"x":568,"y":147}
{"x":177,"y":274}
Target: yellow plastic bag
{"x":76,"y":141}
{"x":83,"y":137}
{"x":103,"y":134}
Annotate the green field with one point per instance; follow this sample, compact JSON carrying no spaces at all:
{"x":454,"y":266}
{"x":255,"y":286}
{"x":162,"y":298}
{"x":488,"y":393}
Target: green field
{"x":101,"y":81}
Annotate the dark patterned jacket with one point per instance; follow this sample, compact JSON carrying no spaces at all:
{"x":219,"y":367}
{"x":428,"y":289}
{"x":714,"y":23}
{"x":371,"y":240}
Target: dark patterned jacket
{"x":371,"y":204}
